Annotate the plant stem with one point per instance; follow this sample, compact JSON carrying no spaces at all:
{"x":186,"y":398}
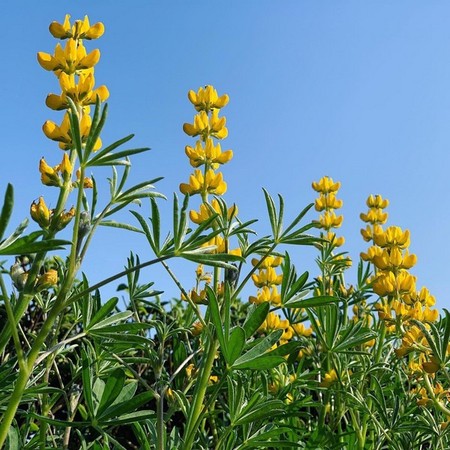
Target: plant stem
{"x":199,"y":396}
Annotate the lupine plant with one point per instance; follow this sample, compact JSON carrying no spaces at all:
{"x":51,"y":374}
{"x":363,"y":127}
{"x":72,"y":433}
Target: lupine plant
{"x":306,"y":361}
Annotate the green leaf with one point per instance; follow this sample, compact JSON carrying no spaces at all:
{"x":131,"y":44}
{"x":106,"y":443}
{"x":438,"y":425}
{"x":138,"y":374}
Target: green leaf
{"x":286,"y":349}
{"x":129,"y":406}
{"x":132,"y":417}
{"x":87,"y":377}
{"x":258,"y":350}
{"x":123,"y":226}
{"x":120,"y":337}
{"x":110,"y":320}
{"x":260,"y":411}
{"x":75,"y":129}
{"x":12,"y":442}
{"x":98,"y":122}
{"x":114,"y":385}
{"x":255,"y":318}
{"x":213,"y":309}
{"x":7,"y":208}
{"x":148,"y":234}
{"x":260,"y":363}
{"x":313,"y":302}
{"x":275,"y":222}
{"x":118,"y":158}
{"x":103,"y":311}
{"x":126,"y":393}
{"x":235,"y":344}
{"x":26,"y":245}
{"x":212,"y":259}
{"x":101,"y":153}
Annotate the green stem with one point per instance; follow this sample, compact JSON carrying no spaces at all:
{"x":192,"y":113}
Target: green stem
{"x":199,"y":396}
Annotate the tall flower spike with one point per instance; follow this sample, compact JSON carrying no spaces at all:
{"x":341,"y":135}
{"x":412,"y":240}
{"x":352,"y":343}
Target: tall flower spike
{"x":327,"y":203}
{"x":207,"y":126}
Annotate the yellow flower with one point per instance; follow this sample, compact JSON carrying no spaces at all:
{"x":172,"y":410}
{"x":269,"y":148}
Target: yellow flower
{"x":423,"y":296}
{"x":267,"y":277}
{"x":377,"y":201}
{"x":49,"y":175}
{"x":221,"y":246}
{"x":40,"y":213}
{"x":208,"y":209}
{"x":207,"y":126}
{"x":48,"y":279}
{"x":371,"y":253}
{"x":66,"y":167}
{"x":199,"y":298}
{"x":81,"y":93}
{"x":197,"y":328}
{"x":384,"y":311}
{"x":301,"y":330}
{"x":207,"y":98}
{"x":72,"y":59}
{"x":88,"y":183}
{"x":272,"y":322}
{"x":374,"y":216}
{"x":329,"y":219}
{"x":210,"y":154}
{"x":269,"y":261}
{"x":329,"y":378}
{"x":392,"y":237}
{"x":326,"y":185}
{"x":267,"y":294}
{"x":333,"y":239}
{"x":212,"y":183}
{"x":394,"y":259}
{"x":369,"y":231}
{"x":79,"y":30}
{"x":64,"y":218}
{"x":387,"y":283}
{"x":328,"y":201}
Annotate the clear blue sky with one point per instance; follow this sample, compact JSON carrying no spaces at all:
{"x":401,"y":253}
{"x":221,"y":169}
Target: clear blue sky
{"x":357,"y":90}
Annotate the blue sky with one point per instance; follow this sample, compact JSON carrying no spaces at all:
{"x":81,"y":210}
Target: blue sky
{"x":355,"y":90}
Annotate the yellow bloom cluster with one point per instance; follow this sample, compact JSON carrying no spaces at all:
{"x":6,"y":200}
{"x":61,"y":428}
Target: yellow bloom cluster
{"x":400,"y":302}
{"x":274,"y":322}
{"x":327,"y":204}
{"x":209,"y":209}
{"x":207,"y":125}
{"x":375,"y":216}
{"x":267,"y":280}
{"x":74,"y":68}
{"x":44,"y":216}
